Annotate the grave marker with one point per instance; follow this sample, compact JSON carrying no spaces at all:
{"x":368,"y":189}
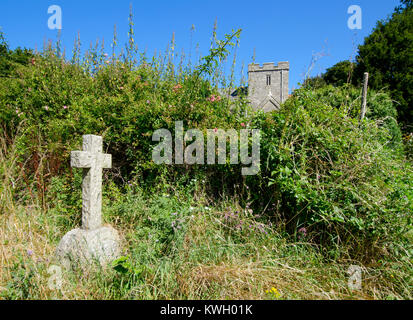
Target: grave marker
{"x":92,"y":160}
{"x":92,"y":242}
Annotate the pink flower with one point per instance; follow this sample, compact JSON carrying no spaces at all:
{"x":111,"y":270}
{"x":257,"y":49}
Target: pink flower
{"x":64,"y":107}
{"x":46,"y":108}
{"x":215,"y":130}
{"x":105,"y":55}
{"x":177,"y":87}
{"x":243,"y":124}
{"x":121,"y":88}
{"x":147,"y":101}
{"x":303,"y":232}
{"x":213,"y":98}
{"x":107,"y":61}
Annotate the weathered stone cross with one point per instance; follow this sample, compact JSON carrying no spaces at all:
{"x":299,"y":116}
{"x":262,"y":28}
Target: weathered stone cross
{"x":92,"y":160}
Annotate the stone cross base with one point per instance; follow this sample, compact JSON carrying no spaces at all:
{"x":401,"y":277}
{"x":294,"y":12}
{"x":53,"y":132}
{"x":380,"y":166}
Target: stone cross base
{"x":87,"y":247}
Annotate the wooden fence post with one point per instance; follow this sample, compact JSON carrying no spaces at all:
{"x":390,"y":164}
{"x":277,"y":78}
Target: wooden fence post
{"x":364,"y":96}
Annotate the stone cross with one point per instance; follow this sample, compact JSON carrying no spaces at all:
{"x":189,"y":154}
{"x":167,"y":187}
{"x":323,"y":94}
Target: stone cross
{"x":92,"y":160}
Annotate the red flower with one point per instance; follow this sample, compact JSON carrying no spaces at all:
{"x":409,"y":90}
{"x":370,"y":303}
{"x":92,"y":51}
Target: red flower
{"x":213,"y":98}
{"x":177,"y":87}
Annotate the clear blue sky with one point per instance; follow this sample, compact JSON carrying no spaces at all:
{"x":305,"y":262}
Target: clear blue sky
{"x":278,"y":30}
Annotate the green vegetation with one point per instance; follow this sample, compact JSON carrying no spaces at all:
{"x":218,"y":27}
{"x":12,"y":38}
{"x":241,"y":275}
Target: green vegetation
{"x":332,"y":192}
{"x":339,"y":74}
{"x":11,"y":60}
{"x":386,"y":55}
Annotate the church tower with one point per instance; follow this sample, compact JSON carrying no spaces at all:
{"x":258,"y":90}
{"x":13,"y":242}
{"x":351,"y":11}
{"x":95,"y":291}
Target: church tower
{"x":268,"y":85}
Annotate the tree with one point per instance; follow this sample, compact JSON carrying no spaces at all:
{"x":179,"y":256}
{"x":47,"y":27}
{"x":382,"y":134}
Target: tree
{"x":10,"y":60}
{"x":315,"y":82}
{"x":405,"y":4}
{"x":340,"y":73}
{"x":387,"y":55}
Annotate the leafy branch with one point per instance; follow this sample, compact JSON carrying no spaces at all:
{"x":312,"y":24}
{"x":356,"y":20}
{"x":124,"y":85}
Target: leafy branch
{"x":217,"y":54}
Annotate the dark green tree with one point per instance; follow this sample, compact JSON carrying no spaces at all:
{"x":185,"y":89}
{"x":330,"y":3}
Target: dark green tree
{"x":387,"y":54}
{"x":315,"y":82}
{"x":4,"y":55}
{"x":405,"y":4}
{"x":339,"y":74}
{"x":10,"y":60}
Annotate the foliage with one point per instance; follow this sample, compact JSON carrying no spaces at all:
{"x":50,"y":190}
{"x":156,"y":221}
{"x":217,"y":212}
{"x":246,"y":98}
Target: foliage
{"x":330,"y":189}
{"x":12,"y":60}
{"x":318,"y":159}
{"x":210,"y":257}
{"x":59,"y":102}
{"x":387,"y":55}
{"x":380,"y":107}
{"x":408,"y":145}
{"x":340,"y":73}
{"x":330,"y":175}
{"x":315,"y":82}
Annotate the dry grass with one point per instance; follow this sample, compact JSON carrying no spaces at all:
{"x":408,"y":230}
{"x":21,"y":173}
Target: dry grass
{"x":251,"y":280}
{"x":214,"y":261}
{"x":224,"y":277}
{"x":248,"y":277}
{"x":24,"y":243}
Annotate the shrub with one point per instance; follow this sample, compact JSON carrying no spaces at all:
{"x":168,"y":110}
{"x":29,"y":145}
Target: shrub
{"x":380,"y":107}
{"x":342,"y":182}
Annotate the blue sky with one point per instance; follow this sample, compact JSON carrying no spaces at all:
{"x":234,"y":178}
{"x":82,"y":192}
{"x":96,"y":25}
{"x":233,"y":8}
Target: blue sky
{"x":278,"y":30}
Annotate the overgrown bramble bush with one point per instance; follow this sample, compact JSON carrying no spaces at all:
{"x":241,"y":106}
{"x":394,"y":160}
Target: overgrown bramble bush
{"x":342,"y":181}
{"x":408,"y":145}
{"x":380,"y":106}
{"x":56,"y":102}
